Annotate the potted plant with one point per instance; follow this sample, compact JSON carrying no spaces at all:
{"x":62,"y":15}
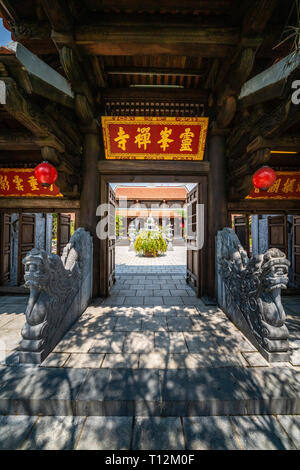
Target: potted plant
{"x":150,"y":243}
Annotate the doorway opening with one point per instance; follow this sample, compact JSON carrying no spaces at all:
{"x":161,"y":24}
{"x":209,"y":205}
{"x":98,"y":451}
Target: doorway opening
{"x":154,"y":207}
{"x":149,"y":217}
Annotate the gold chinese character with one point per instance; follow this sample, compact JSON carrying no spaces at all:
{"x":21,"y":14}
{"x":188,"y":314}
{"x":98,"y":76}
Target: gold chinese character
{"x":51,"y":187}
{"x":275,"y":187}
{"x":143,"y":137}
{"x":122,"y":138}
{"x":298,"y":188}
{"x":18,"y":182}
{"x":165,"y":141}
{"x":186,"y":140}
{"x":33,"y":183}
{"x":4,"y":183}
{"x":289,"y":185}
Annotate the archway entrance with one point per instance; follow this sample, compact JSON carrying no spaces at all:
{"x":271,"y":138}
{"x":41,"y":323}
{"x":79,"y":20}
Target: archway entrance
{"x":157,"y":172}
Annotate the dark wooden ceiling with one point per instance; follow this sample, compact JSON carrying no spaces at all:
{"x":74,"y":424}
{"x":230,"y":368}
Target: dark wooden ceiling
{"x":154,"y":25}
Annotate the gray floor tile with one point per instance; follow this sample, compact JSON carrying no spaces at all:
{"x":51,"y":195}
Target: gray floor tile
{"x":179,"y":324}
{"x":106,"y":433}
{"x":139,"y":342}
{"x":155,"y":433}
{"x":209,"y":433}
{"x":291,"y":425}
{"x":14,"y":430}
{"x":260,"y":433}
{"x":54,"y":433}
{"x":170,"y":342}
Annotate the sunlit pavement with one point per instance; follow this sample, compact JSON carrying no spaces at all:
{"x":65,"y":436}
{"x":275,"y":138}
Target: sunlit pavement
{"x":151,"y":332}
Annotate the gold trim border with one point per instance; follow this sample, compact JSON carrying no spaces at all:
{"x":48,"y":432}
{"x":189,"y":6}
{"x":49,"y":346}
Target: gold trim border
{"x":134,"y":120}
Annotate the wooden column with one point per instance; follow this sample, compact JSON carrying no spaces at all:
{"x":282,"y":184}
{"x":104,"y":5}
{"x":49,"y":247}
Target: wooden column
{"x":90,"y":195}
{"x":217,"y":203}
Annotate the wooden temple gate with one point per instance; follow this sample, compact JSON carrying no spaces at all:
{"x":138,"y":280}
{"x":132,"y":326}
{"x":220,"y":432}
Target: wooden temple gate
{"x":74,"y":62}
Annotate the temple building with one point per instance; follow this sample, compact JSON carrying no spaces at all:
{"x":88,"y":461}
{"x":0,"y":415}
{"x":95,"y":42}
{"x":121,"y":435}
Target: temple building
{"x":200,"y":92}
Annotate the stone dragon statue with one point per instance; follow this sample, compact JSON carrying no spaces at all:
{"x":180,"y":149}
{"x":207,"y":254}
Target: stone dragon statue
{"x":253,"y":290}
{"x":60,"y":289}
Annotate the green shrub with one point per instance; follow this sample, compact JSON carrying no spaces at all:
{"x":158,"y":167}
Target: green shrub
{"x":150,"y":243}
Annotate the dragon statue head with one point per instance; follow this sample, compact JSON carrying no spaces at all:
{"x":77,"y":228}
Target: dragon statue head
{"x":274,"y":268}
{"x":37,"y":269}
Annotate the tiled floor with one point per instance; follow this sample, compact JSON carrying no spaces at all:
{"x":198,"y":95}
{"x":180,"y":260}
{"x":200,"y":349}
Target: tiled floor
{"x":150,"y":433}
{"x":137,"y":328}
{"x":128,"y":262}
{"x":152,"y":320}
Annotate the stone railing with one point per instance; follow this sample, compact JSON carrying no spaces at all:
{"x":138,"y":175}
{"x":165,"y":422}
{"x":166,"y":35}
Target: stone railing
{"x":249,"y":292}
{"x":60,"y":291}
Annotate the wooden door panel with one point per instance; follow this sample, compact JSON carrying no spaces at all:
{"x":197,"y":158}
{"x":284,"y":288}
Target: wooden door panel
{"x":63,"y":232}
{"x":5,"y":247}
{"x":277,"y":233}
{"x":26,"y":241}
{"x":195,"y":222}
{"x":296,"y":249}
{"x":111,"y":241}
{"x":241,"y":228}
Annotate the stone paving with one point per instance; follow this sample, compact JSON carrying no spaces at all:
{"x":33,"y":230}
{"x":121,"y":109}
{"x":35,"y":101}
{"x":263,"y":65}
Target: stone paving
{"x":128,"y":262}
{"x":150,"y":322}
{"x":144,"y":433}
{"x":144,"y":325}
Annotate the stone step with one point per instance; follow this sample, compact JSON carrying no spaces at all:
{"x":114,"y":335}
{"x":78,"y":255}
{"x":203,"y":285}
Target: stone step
{"x":33,"y":390}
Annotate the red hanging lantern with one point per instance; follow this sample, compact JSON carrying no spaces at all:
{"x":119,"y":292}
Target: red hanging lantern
{"x":264,"y":178}
{"x":46,"y":174}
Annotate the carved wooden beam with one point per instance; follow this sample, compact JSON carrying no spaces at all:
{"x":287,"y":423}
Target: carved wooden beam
{"x":288,"y":143}
{"x":271,"y":83}
{"x":16,"y":140}
{"x":66,"y":127}
{"x":242,"y":63}
{"x":72,"y":63}
{"x":22,"y":109}
{"x":35,"y":76}
{"x":241,"y":69}
{"x":258,"y":15}
{"x":41,"y":124}
{"x":59,"y":14}
{"x":38,"y":204}
{"x":98,"y":72}
{"x":8,"y":10}
{"x":209,"y":6}
{"x":152,"y":71}
{"x":155,"y":93}
{"x":154,"y":38}
{"x":32,"y":31}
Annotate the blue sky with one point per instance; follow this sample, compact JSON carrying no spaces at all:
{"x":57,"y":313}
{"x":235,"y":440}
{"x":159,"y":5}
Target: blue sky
{"x":5,"y":36}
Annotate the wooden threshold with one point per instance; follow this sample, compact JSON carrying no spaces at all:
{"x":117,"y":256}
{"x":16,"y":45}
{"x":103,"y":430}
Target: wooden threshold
{"x":265,"y":206}
{"x":37,"y":204}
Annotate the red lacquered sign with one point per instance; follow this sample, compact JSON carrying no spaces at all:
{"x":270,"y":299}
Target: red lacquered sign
{"x":286,"y":186}
{"x":18,"y":182}
{"x":154,"y":138}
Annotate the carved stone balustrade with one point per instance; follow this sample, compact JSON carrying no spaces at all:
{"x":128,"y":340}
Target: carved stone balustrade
{"x":60,"y":291}
{"x":249,"y":292}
